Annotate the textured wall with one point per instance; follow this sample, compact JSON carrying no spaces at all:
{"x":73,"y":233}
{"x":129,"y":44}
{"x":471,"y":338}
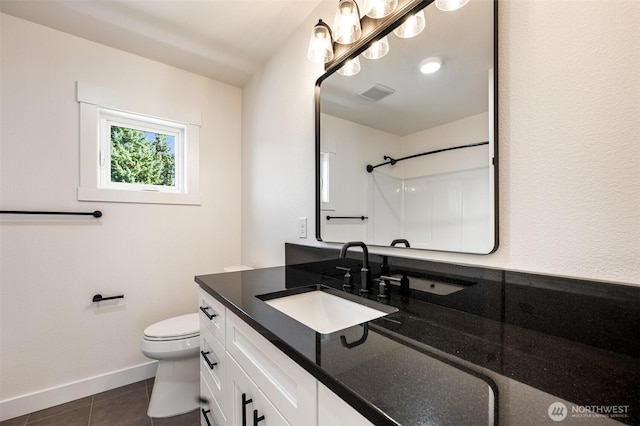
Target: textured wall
{"x":569,"y":154}
{"x":51,"y":333}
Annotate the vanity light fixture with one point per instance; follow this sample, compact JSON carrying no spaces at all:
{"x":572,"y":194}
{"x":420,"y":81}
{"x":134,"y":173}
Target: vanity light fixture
{"x":321,"y":44}
{"x":347,"y":29}
{"x":430,"y":65}
{"x":377,"y":9}
{"x":378,"y":49}
{"x":412,"y":26}
{"x":450,"y":5}
{"x":346,"y":26}
{"x":351,"y":67}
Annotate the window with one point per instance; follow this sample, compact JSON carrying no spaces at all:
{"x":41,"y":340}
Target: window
{"x":136,"y":157}
{"x":327,"y":177}
{"x":140,"y":153}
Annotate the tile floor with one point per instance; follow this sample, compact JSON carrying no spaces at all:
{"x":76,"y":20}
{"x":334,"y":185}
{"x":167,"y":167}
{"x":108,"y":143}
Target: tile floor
{"x":124,"y":406}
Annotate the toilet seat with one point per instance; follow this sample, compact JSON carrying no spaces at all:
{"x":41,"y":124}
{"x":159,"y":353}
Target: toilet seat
{"x":176,"y":328}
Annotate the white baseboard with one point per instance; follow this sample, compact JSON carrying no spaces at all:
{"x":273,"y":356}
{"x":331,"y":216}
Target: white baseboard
{"x":24,"y":404}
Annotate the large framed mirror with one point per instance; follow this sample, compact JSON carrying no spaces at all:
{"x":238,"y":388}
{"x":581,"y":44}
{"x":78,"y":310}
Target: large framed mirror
{"x":411,"y":158}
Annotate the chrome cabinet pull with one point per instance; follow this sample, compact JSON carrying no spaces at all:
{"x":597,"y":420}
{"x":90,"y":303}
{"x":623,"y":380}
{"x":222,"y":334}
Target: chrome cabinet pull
{"x":206,"y":358}
{"x":245,"y":402}
{"x":204,"y":309}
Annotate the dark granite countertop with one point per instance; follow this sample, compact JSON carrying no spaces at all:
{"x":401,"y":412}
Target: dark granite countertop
{"x":428,"y":363}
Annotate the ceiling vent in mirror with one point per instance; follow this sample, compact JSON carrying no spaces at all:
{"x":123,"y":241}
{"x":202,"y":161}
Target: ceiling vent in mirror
{"x":376,"y":92}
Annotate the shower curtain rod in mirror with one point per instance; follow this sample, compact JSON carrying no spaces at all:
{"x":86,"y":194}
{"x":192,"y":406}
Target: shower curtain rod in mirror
{"x":393,"y":161}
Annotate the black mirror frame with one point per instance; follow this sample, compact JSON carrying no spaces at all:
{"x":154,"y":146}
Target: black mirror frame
{"x":377,"y":30}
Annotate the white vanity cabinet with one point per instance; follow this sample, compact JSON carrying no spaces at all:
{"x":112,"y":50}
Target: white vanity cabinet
{"x":246,"y":381}
{"x":290,"y":389}
{"x":238,"y":364}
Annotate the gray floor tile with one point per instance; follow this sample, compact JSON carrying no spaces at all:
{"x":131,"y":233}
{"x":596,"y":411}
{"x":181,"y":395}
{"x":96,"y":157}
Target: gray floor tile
{"x":188,"y":419}
{"x":77,"y":417}
{"x":16,"y":421}
{"x":60,"y":409}
{"x":124,"y":410}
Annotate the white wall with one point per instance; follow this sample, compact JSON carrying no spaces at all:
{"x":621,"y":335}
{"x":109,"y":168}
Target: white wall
{"x":51,"y":333}
{"x":569,"y":169}
{"x":355,"y":146}
{"x":278,"y":152}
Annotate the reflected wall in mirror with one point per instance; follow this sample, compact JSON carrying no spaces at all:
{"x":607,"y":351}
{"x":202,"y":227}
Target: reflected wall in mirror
{"x":443,"y":196}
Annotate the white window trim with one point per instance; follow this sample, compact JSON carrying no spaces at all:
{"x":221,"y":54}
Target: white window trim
{"x":327,"y":180}
{"x":91,"y":98}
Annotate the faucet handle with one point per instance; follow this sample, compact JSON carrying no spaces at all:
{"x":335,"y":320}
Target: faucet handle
{"x":383,"y":286}
{"x":388,"y":278}
{"x":404,"y":284}
{"x":347,"y":284}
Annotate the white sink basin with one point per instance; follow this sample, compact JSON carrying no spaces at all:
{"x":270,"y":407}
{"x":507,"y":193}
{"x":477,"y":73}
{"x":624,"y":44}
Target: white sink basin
{"x":324,"y":312}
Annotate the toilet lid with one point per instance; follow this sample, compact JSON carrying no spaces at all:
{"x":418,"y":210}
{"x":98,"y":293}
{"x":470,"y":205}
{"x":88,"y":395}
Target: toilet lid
{"x":181,"y":327}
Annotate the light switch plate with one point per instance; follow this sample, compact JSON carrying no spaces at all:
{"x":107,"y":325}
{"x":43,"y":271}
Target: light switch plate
{"x":302,"y":227}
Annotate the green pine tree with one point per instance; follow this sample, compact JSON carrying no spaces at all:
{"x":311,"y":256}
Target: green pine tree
{"x":136,"y":159}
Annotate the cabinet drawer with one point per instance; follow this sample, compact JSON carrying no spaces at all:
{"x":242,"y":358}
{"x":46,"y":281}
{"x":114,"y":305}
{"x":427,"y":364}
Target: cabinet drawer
{"x":212,"y":314}
{"x":210,"y":412}
{"x":287,"y":385}
{"x":213,"y":365}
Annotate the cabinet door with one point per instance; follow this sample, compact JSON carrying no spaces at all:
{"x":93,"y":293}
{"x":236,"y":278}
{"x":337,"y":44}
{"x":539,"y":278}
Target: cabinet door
{"x":249,"y":406}
{"x":333,"y":411}
{"x":290,"y":388}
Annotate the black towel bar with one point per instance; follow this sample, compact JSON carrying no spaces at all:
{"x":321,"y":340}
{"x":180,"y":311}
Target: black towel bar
{"x":347,"y":217}
{"x":96,"y":213}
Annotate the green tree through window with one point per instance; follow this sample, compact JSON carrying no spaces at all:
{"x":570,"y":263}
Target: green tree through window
{"x":139,"y":157}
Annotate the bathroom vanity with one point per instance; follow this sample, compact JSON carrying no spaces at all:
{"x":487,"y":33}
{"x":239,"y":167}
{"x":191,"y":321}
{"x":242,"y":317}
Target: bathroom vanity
{"x":493,"y":352}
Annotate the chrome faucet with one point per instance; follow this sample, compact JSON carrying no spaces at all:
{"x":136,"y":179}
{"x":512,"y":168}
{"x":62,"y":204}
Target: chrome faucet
{"x":365,"y":274}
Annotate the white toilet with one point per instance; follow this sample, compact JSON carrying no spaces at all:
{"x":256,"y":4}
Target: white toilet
{"x":175,"y":343}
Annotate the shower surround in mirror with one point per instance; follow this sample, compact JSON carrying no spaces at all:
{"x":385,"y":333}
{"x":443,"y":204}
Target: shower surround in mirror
{"x":440,"y":201}
{"x":443,"y":201}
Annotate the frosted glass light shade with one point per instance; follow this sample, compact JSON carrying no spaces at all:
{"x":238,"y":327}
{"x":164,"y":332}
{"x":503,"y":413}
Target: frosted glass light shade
{"x":320,"y":44}
{"x":351,"y":67}
{"x":412,"y":26}
{"x":379,"y":8}
{"x":346,"y":26}
{"x":449,"y":5}
{"x":378,"y":49}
